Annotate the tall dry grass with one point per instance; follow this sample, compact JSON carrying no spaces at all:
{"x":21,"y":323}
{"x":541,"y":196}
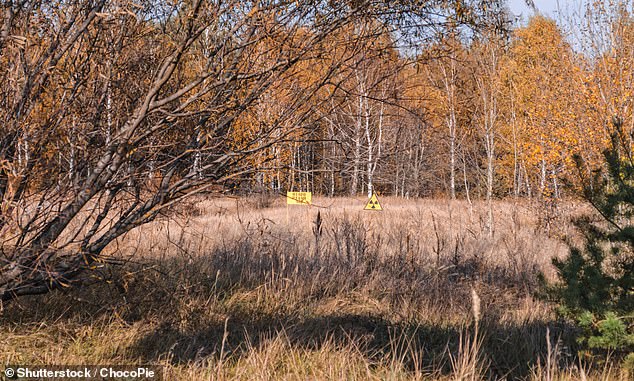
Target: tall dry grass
{"x":227,"y":289}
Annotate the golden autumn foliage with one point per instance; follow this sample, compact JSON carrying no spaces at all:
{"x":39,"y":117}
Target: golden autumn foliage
{"x":350,"y":103}
{"x":544,"y":89}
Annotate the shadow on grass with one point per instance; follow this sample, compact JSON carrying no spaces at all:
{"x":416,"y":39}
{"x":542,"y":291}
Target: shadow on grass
{"x":509,"y":350}
{"x":174,"y":297}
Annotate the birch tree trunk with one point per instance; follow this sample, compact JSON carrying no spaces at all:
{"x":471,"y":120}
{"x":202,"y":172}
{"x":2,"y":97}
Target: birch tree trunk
{"x":449,"y":80}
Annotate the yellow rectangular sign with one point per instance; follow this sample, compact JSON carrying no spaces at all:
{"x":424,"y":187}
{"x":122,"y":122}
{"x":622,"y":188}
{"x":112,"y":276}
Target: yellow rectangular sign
{"x":304,"y":198}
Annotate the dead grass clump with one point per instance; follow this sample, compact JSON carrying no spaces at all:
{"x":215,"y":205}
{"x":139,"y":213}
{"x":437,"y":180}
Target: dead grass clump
{"x":240,"y":293}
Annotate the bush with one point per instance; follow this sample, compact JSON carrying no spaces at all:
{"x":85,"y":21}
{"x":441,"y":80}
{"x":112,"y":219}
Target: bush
{"x":597,"y":284}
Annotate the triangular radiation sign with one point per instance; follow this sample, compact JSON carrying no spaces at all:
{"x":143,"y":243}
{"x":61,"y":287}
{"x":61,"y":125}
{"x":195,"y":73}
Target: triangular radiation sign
{"x":373,"y":203}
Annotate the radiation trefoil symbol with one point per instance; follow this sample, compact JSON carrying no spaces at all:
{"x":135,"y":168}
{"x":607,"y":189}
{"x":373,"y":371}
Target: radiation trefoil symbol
{"x":373,"y":203}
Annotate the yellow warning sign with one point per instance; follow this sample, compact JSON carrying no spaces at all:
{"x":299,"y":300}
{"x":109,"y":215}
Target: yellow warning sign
{"x":304,"y":198}
{"x":373,"y":203}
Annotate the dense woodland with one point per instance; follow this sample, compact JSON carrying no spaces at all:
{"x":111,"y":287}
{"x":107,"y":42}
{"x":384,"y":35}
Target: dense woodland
{"x":473,"y":105}
{"x":113,"y":111}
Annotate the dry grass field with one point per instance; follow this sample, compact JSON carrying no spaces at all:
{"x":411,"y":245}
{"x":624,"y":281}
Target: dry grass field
{"x":248,"y":289}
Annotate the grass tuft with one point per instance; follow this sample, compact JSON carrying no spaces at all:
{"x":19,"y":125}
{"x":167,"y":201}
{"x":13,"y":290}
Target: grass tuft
{"x":240,"y":291}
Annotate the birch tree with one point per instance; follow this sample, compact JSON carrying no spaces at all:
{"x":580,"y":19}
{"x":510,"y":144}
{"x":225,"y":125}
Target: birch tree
{"x":152,"y":90}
